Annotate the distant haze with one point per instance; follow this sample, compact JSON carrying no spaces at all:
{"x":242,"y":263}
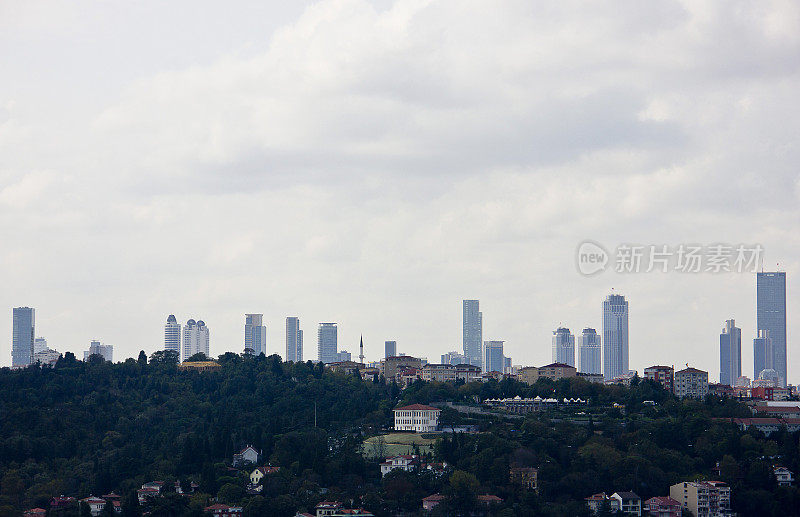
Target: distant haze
{"x":374,"y":163}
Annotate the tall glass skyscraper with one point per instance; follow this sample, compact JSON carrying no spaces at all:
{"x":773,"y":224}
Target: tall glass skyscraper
{"x":615,"y":336}
{"x":390,"y":349}
{"x":730,"y":353}
{"x":563,"y":346}
{"x":294,"y":340}
{"x":255,"y":334}
{"x":23,"y":335}
{"x":327,"y":343}
{"x":771,"y":316}
{"x":472,"y":332}
{"x":172,"y":335}
{"x":590,"y":354}
{"x":493,"y":360}
{"x":762,"y":353}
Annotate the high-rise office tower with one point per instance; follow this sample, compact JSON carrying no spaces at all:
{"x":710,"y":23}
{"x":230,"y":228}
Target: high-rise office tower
{"x":327,"y":343}
{"x":39,"y":345}
{"x":23,"y":335}
{"x":730,"y":353}
{"x":472,"y":332}
{"x":453,"y":358}
{"x":590,"y":354}
{"x":172,"y":335}
{"x":563,"y":346}
{"x":615,"y":336}
{"x":493,"y":360}
{"x":771,"y":316}
{"x":762,"y":353}
{"x":255,"y":334}
{"x":294,"y":340}
{"x":96,"y":348}
{"x":195,"y":339}
{"x":390,"y":349}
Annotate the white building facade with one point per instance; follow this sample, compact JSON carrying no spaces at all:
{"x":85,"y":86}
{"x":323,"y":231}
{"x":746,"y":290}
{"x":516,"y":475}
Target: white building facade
{"x":417,"y":417}
{"x":195,"y":339}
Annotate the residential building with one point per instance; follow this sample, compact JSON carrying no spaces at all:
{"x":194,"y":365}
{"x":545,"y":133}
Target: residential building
{"x":39,"y":344}
{"x":294,"y":340}
{"x":46,"y":356}
{"x":664,"y":375}
{"x":591,"y":377}
{"x":783,"y":476}
{"x":563,"y":346}
{"x":430,"y":502}
{"x":453,"y":358}
{"x":662,"y":507}
{"x":615,"y":336}
{"x":595,"y":503}
{"x":416,"y":417}
{"x":771,"y":316}
{"x":450,"y":372}
{"x":730,"y":353}
{"x":526,"y":478}
{"x":258,"y":474}
{"x":343,"y":356}
{"x":336,"y":509}
{"x":590,"y":352}
{"x":247,"y":456}
{"x":195,"y":339}
{"x":200,"y":366}
{"x":556,"y":371}
{"x":762,"y":353}
{"x":223,"y":510}
{"x":23,"y":335}
{"x":629,"y":502}
{"x":493,"y":360}
{"x":391,"y":365}
{"x":405,"y":462}
{"x":96,"y":348}
{"x":528,"y":375}
{"x":472,"y":333}
{"x":389,"y":349}
{"x":95,"y":505}
{"x":691,"y":382}
{"x":327,"y":343}
{"x":703,"y":498}
{"x":172,"y":335}
{"x":255,"y":334}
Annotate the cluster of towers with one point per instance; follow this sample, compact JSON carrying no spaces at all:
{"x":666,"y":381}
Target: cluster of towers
{"x":195,"y":337}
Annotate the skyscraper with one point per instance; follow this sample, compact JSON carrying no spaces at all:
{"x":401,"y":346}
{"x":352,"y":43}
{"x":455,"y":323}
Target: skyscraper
{"x":589,"y":352}
{"x":771,"y":316}
{"x":39,"y":345}
{"x":255,"y":334}
{"x":390,"y":349}
{"x":96,"y":348}
{"x":195,"y":339}
{"x":762,"y":353}
{"x":327,"y":343}
{"x":563,"y":346}
{"x":493,"y":360}
{"x":294,"y":340}
{"x":730,"y":353}
{"x":472,"y":332}
{"x":172,"y":335}
{"x":615,"y":336}
{"x":23,"y":334}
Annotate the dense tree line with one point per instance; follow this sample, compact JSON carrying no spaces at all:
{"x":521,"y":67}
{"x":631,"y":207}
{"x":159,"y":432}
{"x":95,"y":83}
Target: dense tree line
{"x":93,"y":427}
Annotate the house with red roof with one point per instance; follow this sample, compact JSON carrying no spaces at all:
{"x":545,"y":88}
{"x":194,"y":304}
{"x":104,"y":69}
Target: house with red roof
{"x":223,"y":510}
{"x":430,"y":502}
{"x":662,"y":507}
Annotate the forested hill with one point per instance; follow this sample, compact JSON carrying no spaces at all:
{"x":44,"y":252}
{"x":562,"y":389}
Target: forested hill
{"x":95,"y":427}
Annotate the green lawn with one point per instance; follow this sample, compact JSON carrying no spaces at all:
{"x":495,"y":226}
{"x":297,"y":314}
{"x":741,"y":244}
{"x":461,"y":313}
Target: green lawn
{"x":396,"y":443}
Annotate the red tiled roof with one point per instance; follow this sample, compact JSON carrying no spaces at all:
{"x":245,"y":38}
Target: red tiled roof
{"x":218,"y":506}
{"x":417,"y":407}
{"x":434,"y":497}
{"x":488,"y":498}
{"x":557,"y":365}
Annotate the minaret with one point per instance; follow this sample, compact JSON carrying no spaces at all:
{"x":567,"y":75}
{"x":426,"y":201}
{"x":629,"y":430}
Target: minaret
{"x":361,"y":347}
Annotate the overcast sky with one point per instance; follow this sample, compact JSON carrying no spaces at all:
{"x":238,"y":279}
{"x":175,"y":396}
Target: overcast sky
{"x":374,"y":163}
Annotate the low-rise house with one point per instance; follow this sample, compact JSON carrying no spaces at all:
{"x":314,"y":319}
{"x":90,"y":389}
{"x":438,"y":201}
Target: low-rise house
{"x":765,"y":425}
{"x":149,"y":491}
{"x":776,"y":411}
{"x":436,"y":468}
{"x":662,"y":507}
{"x":430,"y":502}
{"x":61,"y":503}
{"x":629,"y":502}
{"x":35,"y":512}
{"x":325,"y":508}
{"x":703,"y":498}
{"x":488,"y":499}
{"x":247,"y":456}
{"x":95,"y":504}
{"x":223,"y":510}
{"x":406,"y":462}
{"x":595,"y":502}
{"x":258,"y":474}
{"x":783,"y":476}
{"x":416,"y":417}
{"x":526,"y":478}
